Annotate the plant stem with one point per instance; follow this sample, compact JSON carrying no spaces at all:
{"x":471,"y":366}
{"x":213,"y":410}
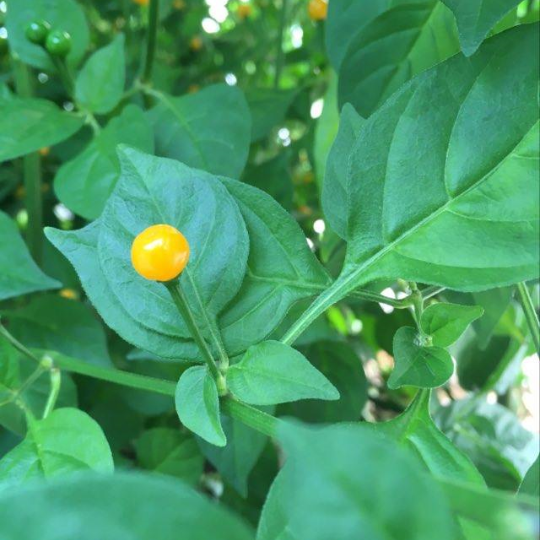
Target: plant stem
{"x":116,"y":376}
{"x":180,"y":300}
{"x":530,"y":314}
{"x":16,"y":344}
{"x":153,"y":15}
{"x":56,"y":381}
{"x":280,"y":55}
{"x":430,"y":292}
{"x":252,"y":417}
{"x":32,"y":174}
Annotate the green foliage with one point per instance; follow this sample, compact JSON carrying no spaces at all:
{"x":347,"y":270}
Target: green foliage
{"x":445,"y":323}
{"x":197,"y":405}
{"x":64,"y":443}
{"x":169,"y":451}
{"x":84,"y":183}
{"x":98,"y":505}
{"x":28,"y":125}
{"x":100,"y":83}
{"x":360,"y":198}
{"x":18,"y":272}
{"x":417,"y":364}
{"x":271,"y":373}
{"x":209,"y":130}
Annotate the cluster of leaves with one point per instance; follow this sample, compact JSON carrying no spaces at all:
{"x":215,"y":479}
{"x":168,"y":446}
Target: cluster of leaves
{"x":418,"y":177}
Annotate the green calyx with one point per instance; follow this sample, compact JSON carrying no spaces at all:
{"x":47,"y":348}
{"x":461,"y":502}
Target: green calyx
{"x":37,"y":31}
{"x":58,"y":43}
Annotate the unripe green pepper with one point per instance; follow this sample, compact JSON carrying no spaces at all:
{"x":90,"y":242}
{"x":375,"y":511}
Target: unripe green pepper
{"x":37,"y":32}
{"x":58,"y":43}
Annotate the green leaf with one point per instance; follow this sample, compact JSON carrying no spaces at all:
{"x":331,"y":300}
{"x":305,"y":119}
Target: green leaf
{"x":445,"y":323}
{"x":415,"y":430}
{"x":209,"y":130}
{"x":272,"y":372}
{"x":281,"y":270}
{"x":440,"y":179}
{"x":335,"y":191}
{"x":342,"y":366}
{"x":341,"y":482}
{"x":100,"y":83}
{"x":66,"y":15}
{"x":273,"y":177}
{"x":57,"y":324}
{"x":346,"y":18}
{"x":119,"y":506}
{"x":197,"y":405}
{"x":156,"y":190}
{"x":400,"y":43}
{"x":171,"y":452}
{"x":268,"y":108}
{"x":84,"y":183}
{"x":235,"y":461}
{"x":418,"y":365}
{"x":19,"y":274}
{"x":531,"y":482}
{"x":26,"y":125}
{"x":475,"y":18}
{"x":67,"y":441}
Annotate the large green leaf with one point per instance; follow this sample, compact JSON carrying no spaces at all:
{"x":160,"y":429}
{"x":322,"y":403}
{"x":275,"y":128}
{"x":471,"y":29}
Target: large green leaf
{"x":209,"y":130}
{"x":401,"y":42}
{"x":84,"y":183}
{"x":100,"y":83}
{"x":341,"y":482}
{"x":156,"y":190}
{"x":26,"y":125}
{"x":197,"y":405}
{"x":66,"y":15}
{"x":445,"y":323}
{"x":475,"y":18}
{"x":441,"y":178}
{"x":57,"y":324}
{"x":271,"y":373}
{"x":116,"y":507}
{"x":169,"y":451}
{"x":19,"y":274}
{"x":67,"y":441}
{"x":417,"y":364}
{"x":281,"y":270}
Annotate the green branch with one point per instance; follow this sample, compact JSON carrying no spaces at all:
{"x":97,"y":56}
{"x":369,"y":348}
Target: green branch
{"x":31,"y":174}
{"x":151,"y":37}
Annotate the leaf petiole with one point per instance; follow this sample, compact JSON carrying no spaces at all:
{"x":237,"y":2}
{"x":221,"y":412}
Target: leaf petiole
{"x":530,"y":314}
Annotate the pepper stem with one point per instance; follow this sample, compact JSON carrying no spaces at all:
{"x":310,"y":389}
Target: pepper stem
{"x":180,"y":300}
